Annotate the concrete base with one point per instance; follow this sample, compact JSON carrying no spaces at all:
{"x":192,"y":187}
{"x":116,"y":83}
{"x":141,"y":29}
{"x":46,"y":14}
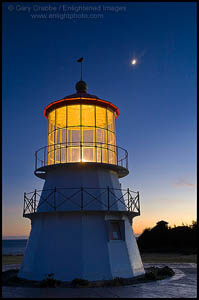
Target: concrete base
{"x":78,"y":245}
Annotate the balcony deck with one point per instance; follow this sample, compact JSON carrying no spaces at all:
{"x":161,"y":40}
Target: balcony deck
{"x":107,"y":156}
{"x":107,"y":197}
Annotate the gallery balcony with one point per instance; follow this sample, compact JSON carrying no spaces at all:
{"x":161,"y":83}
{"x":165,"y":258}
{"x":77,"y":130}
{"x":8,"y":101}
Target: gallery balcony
{"x":96,"y":154}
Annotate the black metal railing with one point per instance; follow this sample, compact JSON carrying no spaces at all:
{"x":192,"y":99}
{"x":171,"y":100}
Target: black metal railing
{"x":63,"y":153}
{"x":129,"y":199}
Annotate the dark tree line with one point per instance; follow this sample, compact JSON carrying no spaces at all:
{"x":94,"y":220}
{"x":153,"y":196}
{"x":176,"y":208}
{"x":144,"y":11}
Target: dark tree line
{"x":162,"y":238}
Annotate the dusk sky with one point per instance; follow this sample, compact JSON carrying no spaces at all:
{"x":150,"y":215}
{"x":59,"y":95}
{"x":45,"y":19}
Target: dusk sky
{"x":156,"y":97}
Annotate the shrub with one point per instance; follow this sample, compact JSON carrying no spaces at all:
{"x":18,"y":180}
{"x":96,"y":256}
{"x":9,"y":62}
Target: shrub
{"x":150,"y":276}
{"x":79,"y":282}
{"x":155,"y":273}
{"x":9,"y":276}
{"x":165,"y":271}
{"x":116,"y":281}
{"x":49,"y":281}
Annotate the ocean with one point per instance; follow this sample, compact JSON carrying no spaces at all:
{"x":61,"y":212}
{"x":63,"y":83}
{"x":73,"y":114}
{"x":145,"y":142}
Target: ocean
{"x":14,"y":247}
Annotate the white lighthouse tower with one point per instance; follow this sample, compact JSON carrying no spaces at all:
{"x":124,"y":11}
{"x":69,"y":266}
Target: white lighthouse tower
{"x":81,"y":222}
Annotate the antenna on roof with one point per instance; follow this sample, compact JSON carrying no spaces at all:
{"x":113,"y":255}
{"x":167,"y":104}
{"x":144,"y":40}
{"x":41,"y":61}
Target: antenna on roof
{"x":80,"y":60}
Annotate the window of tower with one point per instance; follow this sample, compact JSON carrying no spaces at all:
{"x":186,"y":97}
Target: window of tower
{"x":115,"y":230}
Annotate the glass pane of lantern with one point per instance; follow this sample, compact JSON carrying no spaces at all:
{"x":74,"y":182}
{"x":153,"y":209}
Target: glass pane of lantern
{"x":63,"y":154}
{"x":101,"y":136}
{"x":57,"y":136}
{"x":57,"y":153}
{"x":111,"y":138}
{"x":69,"y":154}
{"x":63,"y":136}
{"x":112,"y":155}
{"x":51,"y":155}
{"x":87,"y":154}
{"x":88,"y":136}
{"x":50,"y":149}
{"x":51,"y":137}
{"x":105,"y":154}
{"x":101,"y":142}
{"x":69,"y":136}
{"x":111,"y":120}
{"x":75,"y":154}
{"x":51,"y":121}
{"x":74,"y":136}
{"x":73,"y":115}
{"x":101,"y":120}
{"x":112,"y":149}
{"x":88,"y":115}
{"x":61,"y":117}
{"x":99,"y":154}
{"x":104,"y":136}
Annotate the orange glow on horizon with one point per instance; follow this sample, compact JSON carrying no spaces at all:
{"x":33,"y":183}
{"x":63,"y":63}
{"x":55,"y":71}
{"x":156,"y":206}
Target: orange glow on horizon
{"x":139,"y":225}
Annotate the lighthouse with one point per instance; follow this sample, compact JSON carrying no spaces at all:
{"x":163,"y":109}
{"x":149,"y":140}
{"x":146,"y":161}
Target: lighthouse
{"x":81,"y":221}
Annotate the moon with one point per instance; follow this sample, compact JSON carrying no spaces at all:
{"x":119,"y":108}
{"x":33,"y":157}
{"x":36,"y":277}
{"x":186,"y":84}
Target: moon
{"x":133,"y":62}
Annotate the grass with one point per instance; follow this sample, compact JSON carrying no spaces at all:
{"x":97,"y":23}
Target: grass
{"x":11,"y":259}
{"x":146,"y":258}
{"x":168,"y":258}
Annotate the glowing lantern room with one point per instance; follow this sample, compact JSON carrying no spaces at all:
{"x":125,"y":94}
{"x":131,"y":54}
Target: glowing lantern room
{"x":81,"y":128}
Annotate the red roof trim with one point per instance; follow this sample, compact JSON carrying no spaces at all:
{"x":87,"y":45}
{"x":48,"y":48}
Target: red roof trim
{"x":96,"y":100}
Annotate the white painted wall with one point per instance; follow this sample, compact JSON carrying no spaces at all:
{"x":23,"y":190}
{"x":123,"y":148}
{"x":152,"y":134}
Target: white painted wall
{"x":124,"y":255}
{"x":132,"y":248}
{"x":70,"y":177}
{"x":76,"y":245}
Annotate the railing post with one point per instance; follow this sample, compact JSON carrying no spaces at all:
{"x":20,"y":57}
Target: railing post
{"x":66,"y":151}
{"x":60,"y":152}
{"x":138,"y":194}
{"x":82,"y":200}
{"x":81,"y":154}
{"x":55,"y":152}
{"x":44,"y":156}
{"x":108,"y":198}
{"x":47,"y":154}
{"x":117,"y":155}
{"x":131,"y":203}
{"x":24,"y":205}
{"x":35,"y":202}
{"x":55,"y":198}
{"x":101,"y":153}
{"x":128,"y":197}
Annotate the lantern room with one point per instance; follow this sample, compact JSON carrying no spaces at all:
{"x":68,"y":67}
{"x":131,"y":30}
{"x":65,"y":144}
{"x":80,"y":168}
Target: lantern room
{"x":81,"y":128}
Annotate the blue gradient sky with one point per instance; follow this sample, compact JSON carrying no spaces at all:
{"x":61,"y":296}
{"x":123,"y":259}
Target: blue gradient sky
{"x":156,"y":98}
